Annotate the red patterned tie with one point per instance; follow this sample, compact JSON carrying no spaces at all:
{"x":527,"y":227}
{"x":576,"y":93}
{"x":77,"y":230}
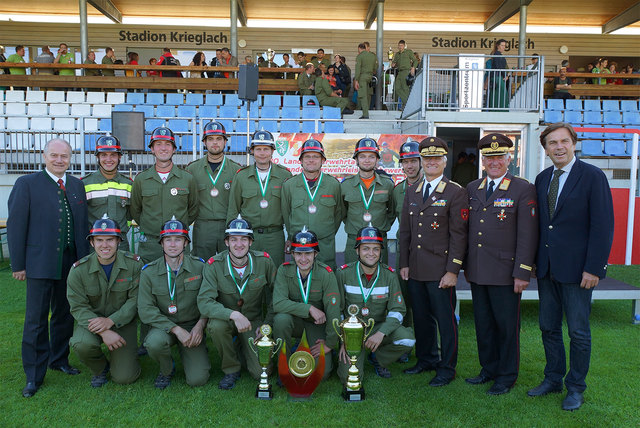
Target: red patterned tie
{"x":61,"y":184}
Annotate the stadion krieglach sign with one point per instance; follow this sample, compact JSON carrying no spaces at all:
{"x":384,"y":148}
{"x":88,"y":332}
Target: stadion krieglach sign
{"x":198,"y":38}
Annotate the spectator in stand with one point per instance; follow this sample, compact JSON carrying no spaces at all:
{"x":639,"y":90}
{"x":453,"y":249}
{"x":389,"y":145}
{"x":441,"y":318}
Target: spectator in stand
{"x":534,"y":62}
{"x":152,"y":73}
{"x":327,"y":96}
{"x":199,"y":60}
{"x":344,"y":74}
{"x":91,"y":59}
{"x":132,"y":59}
{"x":65,"y":57}
{"x":286,"y":64}
{"x":215,"y":62}
{"x":334,"y":80}
{"x":597,"y":69}
{"x":17,"y":58}
{"x":119,"y":72}
{"x":629,"y":70}
{"x":301,"y":59}
{"x":306,"y":80}
{"x":561,"y":86}
{"x":3,"y":59}
{"x":613,"y":69}
{"x":321,"y":59}
{"x":168,"y":59}
{"x":228,"y":61}
{"x":497,"y":92}
{"x":45,"y":57}
{"x":405,"y":62}
{"x":565,"y":64}
{"x":248,"y":60}
{"x":108,"y":59}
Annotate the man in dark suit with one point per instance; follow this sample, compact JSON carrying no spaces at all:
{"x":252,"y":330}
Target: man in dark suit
{"x":503,"y":238}
{"x":576,"y":233}
{"x":433,"y":242}
{"x":46,"y":229}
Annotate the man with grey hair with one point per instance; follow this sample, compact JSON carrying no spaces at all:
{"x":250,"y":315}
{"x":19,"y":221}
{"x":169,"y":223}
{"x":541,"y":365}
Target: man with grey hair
{"x":46,"y":231}
{"x":45,"y":57}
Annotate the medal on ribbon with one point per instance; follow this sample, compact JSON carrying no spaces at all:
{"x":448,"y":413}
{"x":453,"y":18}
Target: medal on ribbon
{"x":367,"y":202}
{"x":233,"y":277}
{"x":304,"y":290}
{"x":312,"y":196}
{"x":366,"y":294}
{"x":173,"y":308}
{"x":215,"y":192}
{"x":263,"y":189}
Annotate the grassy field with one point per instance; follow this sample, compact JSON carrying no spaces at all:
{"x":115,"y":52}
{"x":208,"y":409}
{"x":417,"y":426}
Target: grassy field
{"x":611,"y":397}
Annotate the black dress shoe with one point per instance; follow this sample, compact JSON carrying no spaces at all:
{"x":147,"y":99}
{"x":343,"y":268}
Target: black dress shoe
{"x":347,"y":110}
{"x":498,"y":389}
{"x":418,"y":368}
{"x":228,"y":381}
{"x":572,"y":401}
{"x":30,"y":390}
{"x":546,"y":387}
{"x":439,"y":380}
{"x":66,"y":369}
{"x":478,"y":380}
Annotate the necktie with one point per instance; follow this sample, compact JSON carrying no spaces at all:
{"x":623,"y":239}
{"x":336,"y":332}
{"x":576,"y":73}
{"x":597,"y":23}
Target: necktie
{"x":490,"y":189}
{"x":425,"y":195}
{"x":61,"y":184}
{"x":552,"y":197}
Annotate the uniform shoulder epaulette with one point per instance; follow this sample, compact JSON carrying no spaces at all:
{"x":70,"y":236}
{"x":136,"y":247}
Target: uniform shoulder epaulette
{"x":145,"y":266}
{"x":243,"y":168}
{"x":454,"y":183}
{"x":266,"y":255}
{"x":391,"y":269}
{"x":191,"y":163}
{"x":82,"y":260}
{"x":521,"y":178}
{"x":198,"y":259}
{"x":328,"y":268}
{"x":329,"y":175}
{"x":382,"y":173}
{"x":277,"y":165}
{"x":286,"y":263}
{"x":131,"y":255}
{"x":211,"y":260}
{"x":399,"y":183}
{"x":343,"y":267}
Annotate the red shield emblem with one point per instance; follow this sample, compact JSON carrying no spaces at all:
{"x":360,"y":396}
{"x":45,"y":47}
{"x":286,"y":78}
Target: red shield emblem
{"x":464,"y":213}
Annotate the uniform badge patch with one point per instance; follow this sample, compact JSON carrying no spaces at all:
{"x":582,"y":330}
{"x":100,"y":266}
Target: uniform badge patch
{"x":334,"y":301}
{"x":435,"y":225}
{"x":399,"y":298}
{"x":464,"y":213}
{"x":440,"y":203}
{"x":502,"y":216}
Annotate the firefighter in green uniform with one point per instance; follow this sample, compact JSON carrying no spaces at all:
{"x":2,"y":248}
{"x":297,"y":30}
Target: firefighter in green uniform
{"x":327,"y":96}
{"x":237,"y":287}
{"x":321,"y":59}
{"x":256,"y":194}
{"x":366,"y":66}
{"x":412,"y":168}
{"x":367,"y":197}
{"x":109,"y":191}
{"x":373,"y":287}
{"x":214,"y":174}
{"x":306,"y":298}
{"x":160,"y":192}
{"x":306,"y":79}
{"x":167,"y":301}
{"x":405,"y":62}
{"x":102,"y":289}
{"x":313,"y":198}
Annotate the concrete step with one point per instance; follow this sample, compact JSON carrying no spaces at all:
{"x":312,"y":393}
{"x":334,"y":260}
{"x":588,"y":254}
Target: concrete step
{"x":374,"y":125}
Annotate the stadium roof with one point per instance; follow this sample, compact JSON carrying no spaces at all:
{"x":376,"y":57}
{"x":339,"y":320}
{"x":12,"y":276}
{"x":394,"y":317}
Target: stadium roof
{"x":478,"y":15}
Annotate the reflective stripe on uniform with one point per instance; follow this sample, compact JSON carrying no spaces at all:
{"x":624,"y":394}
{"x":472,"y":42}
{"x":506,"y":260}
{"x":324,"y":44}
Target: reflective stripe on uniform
{"x":396,"y":315}
{"x":351,"y":289}
{"x":405,"y":342}
{"x":110,"y":188}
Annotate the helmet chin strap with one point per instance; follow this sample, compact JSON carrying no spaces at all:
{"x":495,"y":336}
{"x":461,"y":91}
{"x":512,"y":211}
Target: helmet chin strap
{"x":367,"y":264}
{"x":173,"y":257}
{"x":234,"y":258}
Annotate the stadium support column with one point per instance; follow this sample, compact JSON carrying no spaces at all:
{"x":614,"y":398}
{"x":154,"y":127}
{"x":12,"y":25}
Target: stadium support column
{"x":233,"y":31}
{"x":84,"y":32}
{"x":522,"y":35}
{"x":380,"y":53}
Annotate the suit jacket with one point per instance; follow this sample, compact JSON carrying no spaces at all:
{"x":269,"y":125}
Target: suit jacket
{"x":579,"y":237}
{"x":33,"y":223}
{"x":433,"y":233}
{"x":503,"y":231}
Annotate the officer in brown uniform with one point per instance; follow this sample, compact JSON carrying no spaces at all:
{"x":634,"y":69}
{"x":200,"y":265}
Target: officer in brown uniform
{"x":503,"y":237}
{"x":433,"y":242}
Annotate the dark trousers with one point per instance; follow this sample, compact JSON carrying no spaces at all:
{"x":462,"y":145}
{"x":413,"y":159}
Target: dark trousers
{"x":46,"y":342}
{"x":433,"y":313}
{"x":556,"y":297}
{"x":496,"y":311}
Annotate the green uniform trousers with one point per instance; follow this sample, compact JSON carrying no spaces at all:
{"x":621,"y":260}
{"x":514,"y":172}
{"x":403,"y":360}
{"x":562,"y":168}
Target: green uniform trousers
{"x":195,"y":361}
{"x":222,"y":333}
{"x":124,"y":361}
{"x":391,"y":348}
{"x":208,"y":238}
{"x":271,"y":242}
{"x":287,"y":326}
{"x":364,"y":95}
{"x":350,"y":254}
{"x":335,"y":102}
{"x":401,"y":87}
{"x":327,"y":251}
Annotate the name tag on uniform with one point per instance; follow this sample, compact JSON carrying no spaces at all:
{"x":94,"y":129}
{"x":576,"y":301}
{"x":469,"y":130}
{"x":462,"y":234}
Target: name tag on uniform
{"x":503,"y":203}
{"x":193,"y":278}
{"x":440,"y":203}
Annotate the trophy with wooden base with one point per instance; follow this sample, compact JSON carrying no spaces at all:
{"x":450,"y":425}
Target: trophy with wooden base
{"x":353,"y":332}
{"x":265,"y":348}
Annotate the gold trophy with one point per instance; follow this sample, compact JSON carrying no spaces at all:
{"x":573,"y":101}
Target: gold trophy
{"x":354,"y":333}
{"x":266,"y":348}
{"x":271,"y":54}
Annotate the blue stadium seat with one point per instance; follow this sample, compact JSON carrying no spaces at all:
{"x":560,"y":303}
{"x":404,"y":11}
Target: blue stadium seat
{"x":615,"y":148}
{"x":610,"y":105}
{"x":208,"y":111}
{"x":135,"y":98}
{"x":629,"y":105}
{"x":232,"y":100}
{"x":214,"y":99}
{"x":105,"y":125}
{"x":272,"y":101}
{"x":187,"y":111}
{"x":592,"y":134}
{"x":552,"y":116}
{"x":572,"y":116}
{"x":90,"y":142}
{"x":331,"y":113}
{"x":290,"y":113}
{"x":253,"y":111}
{"x":306,"y":98}
{"x":148,"y":110}
{"x":268,"y":125}
{"x":155,"y":98}
{"x":238,"y":143}
{"x":592,"y":105}
{"x":195,"y":99}
{"x":575,"y":105}
{"x":555,"y":104}
{"x":309,"y":126}
{"x":175,"y":99}
{"x":631,"y":117}
{"x":270,"y":112}
{"x":289,"y":126}
{"x":310,"y":112}
{"x":612,"y":117}
{"x":123,"y":107}
{"x":291,"y":101}
{"x":241,"y":125}
{"x":334,"y":127}
{"x":591,"y":116}
{"x":591,"y":148}
{"x":613,"y":135}
{"x":228,"y":112}
{"x":178,"y":125}
{"x":151,"y":124}
{"x":228,"y":124}
{"x":166,"y":110}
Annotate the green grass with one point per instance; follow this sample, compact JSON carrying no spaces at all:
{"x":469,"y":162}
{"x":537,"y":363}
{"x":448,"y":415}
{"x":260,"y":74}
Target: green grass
{"x":611,"y":397}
